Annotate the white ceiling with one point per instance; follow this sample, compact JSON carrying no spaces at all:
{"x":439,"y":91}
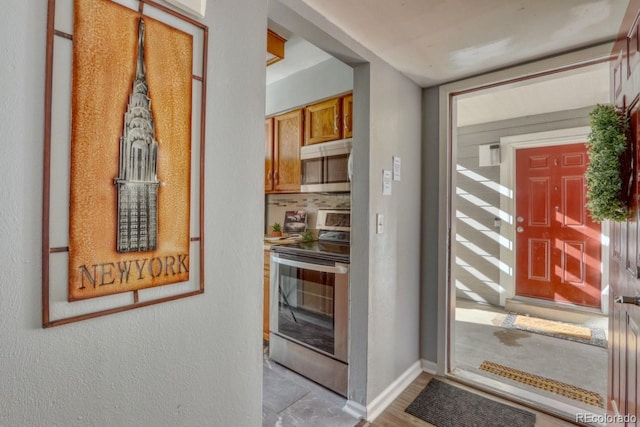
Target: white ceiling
{"x":438,"y":41}
{"x":584,"y":87}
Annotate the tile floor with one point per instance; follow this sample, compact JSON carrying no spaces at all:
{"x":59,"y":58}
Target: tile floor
{"x":289,"y":399}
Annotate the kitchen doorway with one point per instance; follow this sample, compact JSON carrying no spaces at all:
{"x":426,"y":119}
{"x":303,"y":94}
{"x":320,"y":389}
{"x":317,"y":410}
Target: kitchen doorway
{"x":526,"y":317}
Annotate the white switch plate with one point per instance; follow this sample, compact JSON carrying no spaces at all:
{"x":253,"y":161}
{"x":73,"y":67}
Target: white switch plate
{"x":379,"y":223}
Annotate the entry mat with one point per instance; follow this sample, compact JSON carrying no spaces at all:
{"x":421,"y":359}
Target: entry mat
{"x":445,"y":405}
{"x":546,"y":384}
{"x":567,"y":331}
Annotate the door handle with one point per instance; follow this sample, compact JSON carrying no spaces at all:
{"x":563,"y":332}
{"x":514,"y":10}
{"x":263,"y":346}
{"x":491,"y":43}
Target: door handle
{"x":628,"y":300}
{"x":519,"y":229}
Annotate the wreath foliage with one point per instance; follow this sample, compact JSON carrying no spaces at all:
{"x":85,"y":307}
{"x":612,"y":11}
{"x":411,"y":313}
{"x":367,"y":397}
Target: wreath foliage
{"x":607,"y":149}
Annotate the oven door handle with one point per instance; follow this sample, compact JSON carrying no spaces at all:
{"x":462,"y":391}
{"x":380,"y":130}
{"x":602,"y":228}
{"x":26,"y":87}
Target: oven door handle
{"x":308,"y":266}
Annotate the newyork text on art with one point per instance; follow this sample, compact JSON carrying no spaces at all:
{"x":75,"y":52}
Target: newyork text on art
{"x":137,"y":180}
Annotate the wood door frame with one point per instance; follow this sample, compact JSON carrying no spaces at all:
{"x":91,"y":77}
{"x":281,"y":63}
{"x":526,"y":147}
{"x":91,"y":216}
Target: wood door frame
{"x":508,"y":147}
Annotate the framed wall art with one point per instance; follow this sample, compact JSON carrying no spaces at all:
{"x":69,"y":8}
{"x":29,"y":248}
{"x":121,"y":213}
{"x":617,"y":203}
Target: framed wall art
{"x":123,"y":190}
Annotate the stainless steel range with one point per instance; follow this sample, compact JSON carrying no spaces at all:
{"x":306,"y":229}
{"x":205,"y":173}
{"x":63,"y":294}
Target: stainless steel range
{"x":310,"y":294}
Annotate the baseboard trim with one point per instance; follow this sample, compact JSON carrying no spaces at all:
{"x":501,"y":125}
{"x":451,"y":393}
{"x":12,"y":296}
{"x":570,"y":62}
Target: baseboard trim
{"x":429,"y":366}
{"x":355,"y":409}
{"x":388,"y":395}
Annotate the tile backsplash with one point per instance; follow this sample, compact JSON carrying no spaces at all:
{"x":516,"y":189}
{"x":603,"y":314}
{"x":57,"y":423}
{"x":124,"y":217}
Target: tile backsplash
{"x":277,"y":204}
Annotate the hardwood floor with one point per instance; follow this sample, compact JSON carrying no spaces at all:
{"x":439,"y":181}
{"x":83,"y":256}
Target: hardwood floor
{"x":395,"y":416}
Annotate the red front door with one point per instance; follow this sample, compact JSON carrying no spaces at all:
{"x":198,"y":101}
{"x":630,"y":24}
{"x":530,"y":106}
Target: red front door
{"x":558,"y":255}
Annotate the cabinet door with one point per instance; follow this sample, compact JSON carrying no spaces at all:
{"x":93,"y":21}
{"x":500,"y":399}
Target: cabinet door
{"x":287,"y":137}
{"x":323,"y":121}
{"x":347,"y":116}
{"x":268,"y":155}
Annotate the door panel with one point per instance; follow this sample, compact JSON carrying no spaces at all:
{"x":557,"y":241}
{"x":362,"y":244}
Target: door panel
{"x":623,"y":260}
{"x":539,"y":259}
{"x":574,"y":191}
{"x":287,"y":139}
{"x":558,"y":255}
{"x":539,"y":202}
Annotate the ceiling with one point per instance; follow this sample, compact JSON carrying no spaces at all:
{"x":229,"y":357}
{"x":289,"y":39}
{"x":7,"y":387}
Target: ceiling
{"x":438,"y":41}
{"x":583,"y":87}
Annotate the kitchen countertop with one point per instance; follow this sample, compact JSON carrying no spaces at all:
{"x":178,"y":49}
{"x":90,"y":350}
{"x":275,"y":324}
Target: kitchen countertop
{"x":283,"y":241}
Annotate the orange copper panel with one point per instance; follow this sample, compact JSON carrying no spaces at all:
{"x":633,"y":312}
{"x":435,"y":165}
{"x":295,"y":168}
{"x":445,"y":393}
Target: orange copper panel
{"x":105,"y":55}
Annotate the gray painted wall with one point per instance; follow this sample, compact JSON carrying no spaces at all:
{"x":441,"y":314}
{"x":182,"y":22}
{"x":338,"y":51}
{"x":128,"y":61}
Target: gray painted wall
{"x":469,"y":260}
{"x":394,"y":268}
{"x":429,"y":250}
{"x":194,"y":362}
{"x":324,"y":80}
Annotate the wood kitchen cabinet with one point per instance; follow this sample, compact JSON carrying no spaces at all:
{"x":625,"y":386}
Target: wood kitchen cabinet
{"x":268,"y":156}
{"x":282,"y":152}
{"x":347,"y":116}
{"x":265,"y":308}
{"x":329,"y":120}
{"x":323,"y":121}
{"x":283,"y":138}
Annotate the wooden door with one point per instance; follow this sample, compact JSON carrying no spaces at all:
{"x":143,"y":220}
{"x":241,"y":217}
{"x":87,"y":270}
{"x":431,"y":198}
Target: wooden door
{"x":322,"y":121}
{"x":287,"y":139}
{"x":268,"y":155}
{"x":558,"y":245}
{"x":624,"y":272}
{"x":347,"y":116}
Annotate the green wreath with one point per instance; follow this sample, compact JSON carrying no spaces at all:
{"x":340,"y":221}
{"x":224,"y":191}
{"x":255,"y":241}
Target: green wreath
{"x":609,"y":162}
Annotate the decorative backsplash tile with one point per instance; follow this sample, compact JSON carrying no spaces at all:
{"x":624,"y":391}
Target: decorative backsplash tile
{"x":277,"y":204}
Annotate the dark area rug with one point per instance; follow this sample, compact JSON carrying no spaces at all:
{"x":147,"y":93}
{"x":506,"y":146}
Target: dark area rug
{"x":444,"y":405}
{"x":597,"y":336}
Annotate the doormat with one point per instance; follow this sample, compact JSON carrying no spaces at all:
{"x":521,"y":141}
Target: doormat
{"x":546,"y":384}
{"x":567,"y":331}
{"x":444,"y":405}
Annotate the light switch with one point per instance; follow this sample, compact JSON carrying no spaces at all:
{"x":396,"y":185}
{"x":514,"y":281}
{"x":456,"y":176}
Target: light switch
{"x":379,"y":223}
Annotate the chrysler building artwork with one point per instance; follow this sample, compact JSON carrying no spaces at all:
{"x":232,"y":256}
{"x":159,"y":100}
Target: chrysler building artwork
{"x":130,"y":204}
{"x":137,"y":181}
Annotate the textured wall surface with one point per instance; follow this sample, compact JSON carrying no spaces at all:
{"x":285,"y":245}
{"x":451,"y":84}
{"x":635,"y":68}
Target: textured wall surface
{"x":192,"y":362}
{"x":394,"y":267}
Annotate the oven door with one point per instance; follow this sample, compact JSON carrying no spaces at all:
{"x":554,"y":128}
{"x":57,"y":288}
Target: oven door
{"x":310,"y":300}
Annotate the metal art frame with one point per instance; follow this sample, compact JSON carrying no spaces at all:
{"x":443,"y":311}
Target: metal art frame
{"x":47,"y":249}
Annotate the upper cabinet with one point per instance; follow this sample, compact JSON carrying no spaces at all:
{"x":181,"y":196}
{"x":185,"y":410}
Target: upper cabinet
{"x":328,"y":120}
{"x":347,"y":116}
{"x":282,"y":158}
{"x":268,"y":156}
{"x":323,"y":121}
